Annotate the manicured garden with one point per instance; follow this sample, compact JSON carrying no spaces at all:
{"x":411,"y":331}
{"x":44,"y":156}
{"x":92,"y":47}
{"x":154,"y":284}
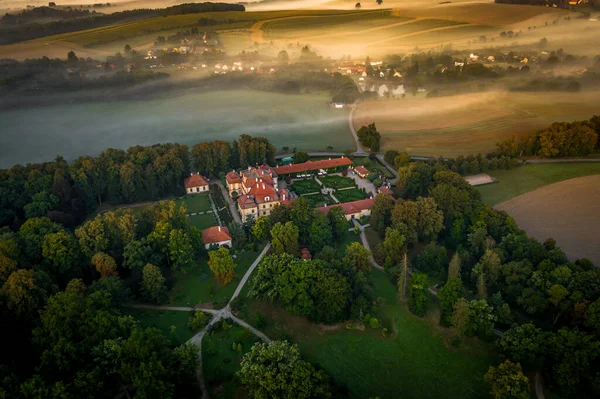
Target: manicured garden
{"x":303,"y":187}
{"x":203,"y":221}
{"x":349,"y":195}
{"x":221,"y":361}
{"x":195,"y":203}
{"x":336,"y":182}
{"x":199,"y":285}
{"x":319,"y":200}
{"x":173,"y":323}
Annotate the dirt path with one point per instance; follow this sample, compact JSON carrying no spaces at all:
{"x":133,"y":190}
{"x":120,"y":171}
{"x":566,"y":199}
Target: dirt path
{"x":359,"y":149}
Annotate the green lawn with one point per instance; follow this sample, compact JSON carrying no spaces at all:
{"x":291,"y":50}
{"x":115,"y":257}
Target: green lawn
{"x":353,"y":194}
{"x":221,"y":362}
{"x":164,"y":320}
{"x":337,"y":182}
{"x":418,"y":362}
{"x":319,"y":200}
{"x":200,"y":286}
{"x":203,"y":221}
{"x":523,"y":179}
{"x":196,"y":203}
{"x":302,"y":187}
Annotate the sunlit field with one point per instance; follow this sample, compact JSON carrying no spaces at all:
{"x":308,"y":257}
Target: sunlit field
{"x":470,"y":123}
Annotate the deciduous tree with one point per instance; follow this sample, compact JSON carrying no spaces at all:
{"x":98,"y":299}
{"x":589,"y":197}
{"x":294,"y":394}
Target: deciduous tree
{"x":507,"y":381}
{"x":222,"y":265}
{"x":153,"y":284}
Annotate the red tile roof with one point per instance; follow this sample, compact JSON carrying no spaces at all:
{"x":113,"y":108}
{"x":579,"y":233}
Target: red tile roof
{"x":263,"y":192}
{"x":310,"y":165}
{"x":215,"y":234}
{"x":348,"y":208}
{"x":195,"y":180}
{"x":385,"y":190}
{"x":305,"y":254}
{"x":233,"y":177}
{"x":246,"y":202}
{"x":361,"y":170}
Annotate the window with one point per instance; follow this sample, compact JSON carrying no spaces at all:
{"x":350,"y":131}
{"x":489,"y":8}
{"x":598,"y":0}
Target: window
{"x":264,"y":206}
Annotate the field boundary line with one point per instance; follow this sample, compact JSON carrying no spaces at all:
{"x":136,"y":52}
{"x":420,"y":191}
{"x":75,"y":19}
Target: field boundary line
{"x":441,"y":28}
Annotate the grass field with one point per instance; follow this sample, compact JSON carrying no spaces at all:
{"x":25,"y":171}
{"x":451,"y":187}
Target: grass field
{"x":567,"y":211}
{"x":200,"y":286}
{"x":304,"y":121}
{"x":165,"y":320}
{"x":470,"y":123}
{"x":349,"y":195}
{"x":196,"y":203}
{"x":419,"y":361}
{"x":523,"y":179}
{"x":336,"y":182}
{"x":220,"y":362}
{"x":302,"y":187}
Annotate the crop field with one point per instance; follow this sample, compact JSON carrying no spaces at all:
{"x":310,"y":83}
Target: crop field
{"x":470,"y":123}
{"x":349,"y":195}
{"x":418,"y":360}
{"x":302,"y":187}
{"x":336,"y":182}
{"x":523,"y":179}
{"x":567,"y":211}
{"x":304,"y":121}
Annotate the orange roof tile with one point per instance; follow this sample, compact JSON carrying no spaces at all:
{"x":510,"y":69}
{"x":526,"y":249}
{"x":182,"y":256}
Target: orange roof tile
{"x":195,"y":180}
{"x":233,"y":177}
{"x":361,"y":170}
{"x":215,"y":234}
{"x":348,"y":208}
{"x":309,"y":165}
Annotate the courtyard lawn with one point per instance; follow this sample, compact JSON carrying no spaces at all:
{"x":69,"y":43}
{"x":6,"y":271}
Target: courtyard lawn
{"x":348,"y":238}
{"x":319,"y":200}
{"x":523,"y":179}
{"x":221,"y":362}
{"x":203,"y":221}
{"x":353,"y":194}
{"x":196,"y":203}
{"x":164,"y":320}
{"x":337,"y":182}
{"x":418,"y":361}
{"x":199,"y":285}
{"x":302,"y":187}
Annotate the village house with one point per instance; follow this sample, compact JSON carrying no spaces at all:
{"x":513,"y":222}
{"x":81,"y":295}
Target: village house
{"x":362,"y":171}
{"x":352,"y":210}
{"x":216,"y":235}
{"x":195,"y":184}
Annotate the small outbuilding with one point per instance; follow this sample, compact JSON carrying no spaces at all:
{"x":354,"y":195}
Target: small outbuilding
{"x":216,"y":235}
{"x":362,"y":171}
{"x":196,"y":184}
{"x":305,"y":254}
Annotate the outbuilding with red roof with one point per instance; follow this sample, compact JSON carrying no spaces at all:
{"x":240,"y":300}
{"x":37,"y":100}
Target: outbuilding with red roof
{"x":216,"y":235}
{"x":196,"y":184}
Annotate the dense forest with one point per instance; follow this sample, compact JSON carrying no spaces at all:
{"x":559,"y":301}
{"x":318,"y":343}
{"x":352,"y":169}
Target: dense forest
{"x":44,"y":13}
{"x":34,"y":30}
{"x":67,"y":193}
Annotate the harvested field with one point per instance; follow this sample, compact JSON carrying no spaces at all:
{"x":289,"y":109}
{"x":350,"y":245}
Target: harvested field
{"x":469,"y":123}
{"x":567,"y":211}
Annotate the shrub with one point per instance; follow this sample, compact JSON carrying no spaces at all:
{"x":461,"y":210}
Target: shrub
{"x":374,"y":323}
{"x":198,"y":320}
{"x":259,"y":320}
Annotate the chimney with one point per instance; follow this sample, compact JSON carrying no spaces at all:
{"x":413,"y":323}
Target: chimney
{"x":219,"y":228}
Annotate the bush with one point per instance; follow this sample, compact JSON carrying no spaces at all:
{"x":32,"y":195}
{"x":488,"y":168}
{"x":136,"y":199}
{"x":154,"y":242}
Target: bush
{"x":198,"y":320}
{"x":259,"y":320}
{"x":374,"y":323}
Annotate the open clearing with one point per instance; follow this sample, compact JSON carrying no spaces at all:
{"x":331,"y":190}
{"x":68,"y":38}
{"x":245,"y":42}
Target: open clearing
{"x":303,"y":121}
{"x":164,"y":320}
{"x":520,"y":180}
{"x":419,"y":361}
{"x":468,"y":123}
{"x":567,"y":211}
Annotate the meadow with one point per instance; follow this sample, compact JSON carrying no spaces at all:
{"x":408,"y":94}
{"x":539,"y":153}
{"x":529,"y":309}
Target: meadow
{"x":514,"y":182}
{"x":418,"y":360}
{"x":468,"y":123}
{"x":303,"y":121}
{"x":165,"y":320}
